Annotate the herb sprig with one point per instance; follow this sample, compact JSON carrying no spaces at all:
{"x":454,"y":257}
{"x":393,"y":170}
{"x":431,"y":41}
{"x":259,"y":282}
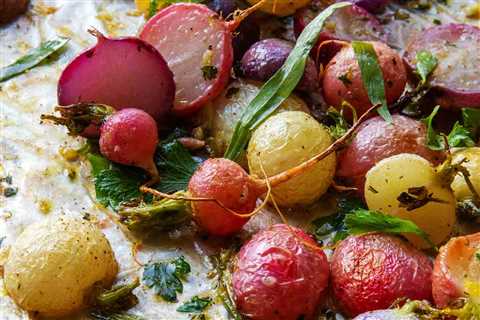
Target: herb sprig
{"x":279,"y":86}
{"x":32,"y":58}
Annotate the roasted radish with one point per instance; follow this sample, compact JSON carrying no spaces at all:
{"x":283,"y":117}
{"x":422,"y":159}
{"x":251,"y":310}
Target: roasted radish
{"x":122,"y":73}
{"x":280,"y":274}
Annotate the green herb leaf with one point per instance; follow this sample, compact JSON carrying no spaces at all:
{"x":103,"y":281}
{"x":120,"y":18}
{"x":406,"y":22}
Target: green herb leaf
{"x":434,"y":140}
{"x":471,"y":121}
{"x":166,"y":277}
{"x":460,"y":137}
{"x":279,"y":86}
{"x":152,"y":8}
{"x":340,"y":126}
{"x":118,"y":298}
{"x":426,"y":63}
{"x":195,"y":305}
{"x":32,"y":58}
{"x":209,"y":72}
{"x":176,"y":165}
{"x":372,"y":76}
{"x":363,"y":221}
{"x":115,"y":184}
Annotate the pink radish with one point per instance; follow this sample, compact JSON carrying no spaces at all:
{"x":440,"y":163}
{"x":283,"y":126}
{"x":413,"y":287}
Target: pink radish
{"x":130,"y":137}
{"x":197,"y":45}
{"x":123,"y":72}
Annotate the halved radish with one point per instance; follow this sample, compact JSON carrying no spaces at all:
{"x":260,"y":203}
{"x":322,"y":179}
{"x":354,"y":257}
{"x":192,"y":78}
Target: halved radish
{"x":122,"y":72}
{"x":455,"y":267}
{"x":197,"y":45}
{"x":456,"y":80}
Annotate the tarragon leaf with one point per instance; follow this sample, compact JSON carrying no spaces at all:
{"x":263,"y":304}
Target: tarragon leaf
{"x":32,"y":58}
{"x":372,"y":76}
{"x":426,"y":63}
{"x":279,"y":86}
{"x":166,"y":277}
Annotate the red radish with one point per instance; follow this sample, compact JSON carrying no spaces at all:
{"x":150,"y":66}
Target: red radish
{"x":280,"y":274}
{"x":377,"y":139}
{"x":192,"y":37}
{"x":122,"y":72}
{"x":456,"y":79}
{"x":227,"y":182}
{"x":342,"y":79}
{"x":371,"y":271}
{"x":456,"y":263}
{"x":130,"y":137}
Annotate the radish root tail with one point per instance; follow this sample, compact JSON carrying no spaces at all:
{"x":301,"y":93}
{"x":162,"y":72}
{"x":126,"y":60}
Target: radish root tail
{"x":240,"y":15}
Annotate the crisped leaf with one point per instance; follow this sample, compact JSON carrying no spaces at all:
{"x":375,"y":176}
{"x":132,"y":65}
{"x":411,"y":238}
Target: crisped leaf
{"x":363,"y":221}
{"x":195,"y":305}
{"x":166,"y":277}
{"x":176,"y":165}
{"x":32,"y":58}
{"x":279,"y":86}
{"x":426,"y":63}
{"x":115,"y":184}
{"x":372,"y":76}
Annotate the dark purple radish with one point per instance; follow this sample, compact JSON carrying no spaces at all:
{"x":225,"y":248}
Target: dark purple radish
{"x":130,"y":137}
{"x":266,"y":56}
{"x":223,"y":7}
{"x":197,"y":45}
{"x":348,"y":23}
{"x":456,"y":80}
{"x":122,"y":72}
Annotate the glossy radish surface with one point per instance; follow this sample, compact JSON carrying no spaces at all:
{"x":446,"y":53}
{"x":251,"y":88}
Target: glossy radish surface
{"x":280,"y":274}
{"x":371,"y":271}
{"x":191,"y":37}
{"x":227,"y":182}
{"x":456,"y":78}
{"x":122,"y":73}
{"x":130,"y":137}
{"x":456,"y":266}
{"x":342,"y":79}
{"x":375,"y":140}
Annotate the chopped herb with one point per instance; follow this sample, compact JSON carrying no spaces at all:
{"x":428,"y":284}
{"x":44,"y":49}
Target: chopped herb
{"x":437,"y":21}
{"x":363,"y":221}
{"x":346,"y":78}
{"x":460,"y":136}
{"x":279,"y":86}
{"x":10,"y":191}
{"x":416,"y":197}
{"x":477,"y":256}
{"x":176,"y":166}
{"x":426,"y":64}
{"x":372,"y":189}
{"x":115,"y":184}
{"x":166,"y":277}
{"x":340,"y":126}
{"x":118,"y":298}
{"x":471,"y":121}
{"x":372,"y":76}
{"x":32,"y":58}
{"x":232,"y":91}
{"x":153,"y":7}
{"x":195,"y":305}
{"x":209,"y":72}
{"x":434,"y":140}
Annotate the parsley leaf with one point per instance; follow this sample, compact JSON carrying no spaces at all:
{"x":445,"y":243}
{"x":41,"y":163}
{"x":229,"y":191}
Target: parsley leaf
{"x":195,"y":305}
{"x":176,"y":166}
{"x":434,"y":140}
{"x":166,"y":277}
{"x":115,"y":184}
{"x":363,"y":221}
{"x":372,"y":76}
{"x":426,"y":63}
{"x":32,"y":58}
{"x":471,"y":120}
{"x":209,"y":72}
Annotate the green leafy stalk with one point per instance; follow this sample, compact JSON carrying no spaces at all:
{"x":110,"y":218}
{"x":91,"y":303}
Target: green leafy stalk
{"x":77,"y":117}
{"x":32,"y":58}
{"x":426,"y":63}
{"x":115,"y":297}
{"x":164,"y":214}
{"x":363,"y":221}
{"x":372,"y":76}
{"x":166,"y":277}
{"x":114,"y":316}
{"x":279,"y":86}
{"x":195,"y":305}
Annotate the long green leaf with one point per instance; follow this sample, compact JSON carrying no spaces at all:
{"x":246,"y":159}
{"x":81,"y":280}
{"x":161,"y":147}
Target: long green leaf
{"x":32,"y":58}
{"x":372,"y":76}
{"x":279,"y":86}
